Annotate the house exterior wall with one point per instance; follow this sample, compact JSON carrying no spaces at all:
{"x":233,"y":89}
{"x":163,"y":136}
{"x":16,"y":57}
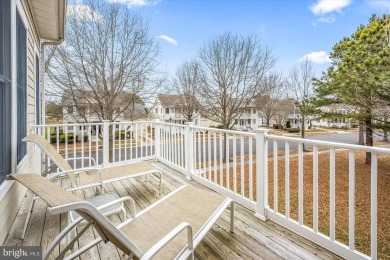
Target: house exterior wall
{"x":248,"y":120}
{"x":11,"y":193}
{"x":172,"y":115}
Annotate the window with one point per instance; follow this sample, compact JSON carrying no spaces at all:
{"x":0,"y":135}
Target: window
{"x":156,"y":110}
{"x":254,"y":121}
{"x":82,"y":111}
{"x":37,"y":93}
{"x":167,"y":110}
{"x":70,"y":110}
{"x":21,"y":59}
{"x":5,"y":88}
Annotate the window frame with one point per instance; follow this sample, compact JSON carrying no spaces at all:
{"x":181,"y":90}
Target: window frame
{"x":37,"y":98}
{"x":6,"y":78}
{"x":21,"y":151}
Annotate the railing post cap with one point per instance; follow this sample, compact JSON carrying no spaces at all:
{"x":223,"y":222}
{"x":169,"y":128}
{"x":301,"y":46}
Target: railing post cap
{"x":262,"y":130}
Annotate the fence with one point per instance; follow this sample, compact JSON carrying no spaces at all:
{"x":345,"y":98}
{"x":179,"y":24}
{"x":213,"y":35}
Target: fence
{"x":295,"y":182}
{"x":241,"y":166}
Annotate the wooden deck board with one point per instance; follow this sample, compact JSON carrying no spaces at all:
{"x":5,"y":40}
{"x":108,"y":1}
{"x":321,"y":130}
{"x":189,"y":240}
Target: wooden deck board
{"x":252,"y":239}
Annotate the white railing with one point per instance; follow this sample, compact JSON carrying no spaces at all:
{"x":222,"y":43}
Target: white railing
{"x":74,"y":141}
{"x":321,"y":150}
{"x":170,"y":144}
{"x":132,"y":141}
{"x":129,"y":141}
{"x":263,"y":172}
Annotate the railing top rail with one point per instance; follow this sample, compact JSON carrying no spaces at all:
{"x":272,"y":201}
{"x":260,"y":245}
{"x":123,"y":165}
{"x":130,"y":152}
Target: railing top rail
{"x":61,"y":125}
{"x":224,"y":131}
{"x":132,"y":122}
{"x":171,"y":124}
{"x":327,"y":143}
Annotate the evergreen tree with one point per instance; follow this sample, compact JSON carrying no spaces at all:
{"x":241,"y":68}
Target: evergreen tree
{"x":359,"y":75}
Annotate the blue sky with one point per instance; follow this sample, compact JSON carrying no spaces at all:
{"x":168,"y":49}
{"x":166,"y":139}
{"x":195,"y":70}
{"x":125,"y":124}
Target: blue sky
{"x":292,"y":28}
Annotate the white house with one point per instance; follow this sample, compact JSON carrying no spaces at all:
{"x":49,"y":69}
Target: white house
{"x":173,"y":109}
{"x":26,"y":26}
{"x":337,"y":116}
{"x":85,"y":112}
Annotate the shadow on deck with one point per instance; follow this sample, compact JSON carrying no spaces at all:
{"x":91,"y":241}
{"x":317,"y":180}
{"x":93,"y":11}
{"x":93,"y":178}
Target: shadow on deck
{"x":252,"y":239}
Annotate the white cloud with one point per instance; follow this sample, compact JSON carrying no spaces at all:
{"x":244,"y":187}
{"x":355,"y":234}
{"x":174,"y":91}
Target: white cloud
{"x":168,"y":39}
{"x":326,"y":19}
{"x":379,"y":4}
{"x":329,"y":6}
{"x":83,"y":12}
{"x":316,"y":57}
{"x":330,"y":19}
{"x":136,"y":3}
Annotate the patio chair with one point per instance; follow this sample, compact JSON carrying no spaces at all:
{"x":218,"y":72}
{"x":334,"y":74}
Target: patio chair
{"x":87,"y":177}
{"x":157,"y":231}
{"x":91,"y":176}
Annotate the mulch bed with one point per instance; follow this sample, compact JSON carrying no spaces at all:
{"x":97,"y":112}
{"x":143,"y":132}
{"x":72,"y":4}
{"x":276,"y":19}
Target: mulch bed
{"x":362,"y":196}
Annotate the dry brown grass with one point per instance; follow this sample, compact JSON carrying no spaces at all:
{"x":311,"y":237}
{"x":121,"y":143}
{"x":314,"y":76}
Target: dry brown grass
{"x":362,"y":196}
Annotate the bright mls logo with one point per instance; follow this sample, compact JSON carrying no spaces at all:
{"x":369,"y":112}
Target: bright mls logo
{"x":20,"y":252}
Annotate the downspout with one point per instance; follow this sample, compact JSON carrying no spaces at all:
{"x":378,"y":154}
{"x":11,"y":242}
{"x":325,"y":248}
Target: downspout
{"x":43,"y":72}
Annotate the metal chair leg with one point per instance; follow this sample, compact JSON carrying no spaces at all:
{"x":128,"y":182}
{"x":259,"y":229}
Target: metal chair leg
{"x":30,"y":209}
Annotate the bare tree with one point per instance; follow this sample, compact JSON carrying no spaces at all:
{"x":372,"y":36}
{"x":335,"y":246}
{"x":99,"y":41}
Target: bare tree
{"x":109,"y":52}
{"x":273,"y":92}
{"x":185,"y":84}
{"x":283,"y":109}
{"x":232,"y":69}
{"x":300,"y":84}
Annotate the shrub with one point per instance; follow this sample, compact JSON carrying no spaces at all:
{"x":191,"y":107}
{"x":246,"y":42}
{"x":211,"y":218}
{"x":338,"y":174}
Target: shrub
{"x":277,"y":126}
{"x":123,"y":133}
{"x":345,"y":127}
{"x":354,"y":125}
{"x":69,"y":136}
{"x":53,"y":139}
{"x":293,"y":130}
{"x":54,"y":131}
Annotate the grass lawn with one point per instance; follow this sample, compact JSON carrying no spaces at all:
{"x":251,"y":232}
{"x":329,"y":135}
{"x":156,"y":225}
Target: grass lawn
{"x":362,"y":196}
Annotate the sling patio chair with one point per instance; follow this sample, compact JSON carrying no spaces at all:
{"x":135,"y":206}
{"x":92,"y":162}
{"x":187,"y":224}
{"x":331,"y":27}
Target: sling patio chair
{"x":156,"y":232}
{"x":82,"y":178}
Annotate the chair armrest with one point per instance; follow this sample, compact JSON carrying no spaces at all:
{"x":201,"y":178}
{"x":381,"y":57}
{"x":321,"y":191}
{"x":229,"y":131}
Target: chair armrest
{"x":44,"y":173}
{"x":131,"y":200}
{"x":166,"y":239}
{"x":76,"y":171}
{"x":83,"y":158}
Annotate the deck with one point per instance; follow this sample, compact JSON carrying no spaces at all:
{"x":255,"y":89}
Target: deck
{"x":252,"y":239}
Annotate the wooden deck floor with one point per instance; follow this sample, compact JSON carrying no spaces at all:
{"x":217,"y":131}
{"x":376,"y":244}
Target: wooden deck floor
{"x":252,"y":239}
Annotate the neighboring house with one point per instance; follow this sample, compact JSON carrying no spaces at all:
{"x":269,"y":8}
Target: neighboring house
{"x":249,"y":119}
{"x":335,"y":116}
{"x":87,"y":110}
{"x":26,"y":26}
{"x":174,"y":109}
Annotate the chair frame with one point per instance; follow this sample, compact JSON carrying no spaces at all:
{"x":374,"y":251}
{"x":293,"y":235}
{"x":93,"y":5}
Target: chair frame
{"x":192,"y":239}
{"x":95,"y":168}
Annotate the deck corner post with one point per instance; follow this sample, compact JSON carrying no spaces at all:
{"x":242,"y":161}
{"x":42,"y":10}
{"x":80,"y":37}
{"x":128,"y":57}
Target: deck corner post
{"x":261,"y":173}
{"x":106,"y":142}
{"x":157,"y":139}
{"x":188,"y":144}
